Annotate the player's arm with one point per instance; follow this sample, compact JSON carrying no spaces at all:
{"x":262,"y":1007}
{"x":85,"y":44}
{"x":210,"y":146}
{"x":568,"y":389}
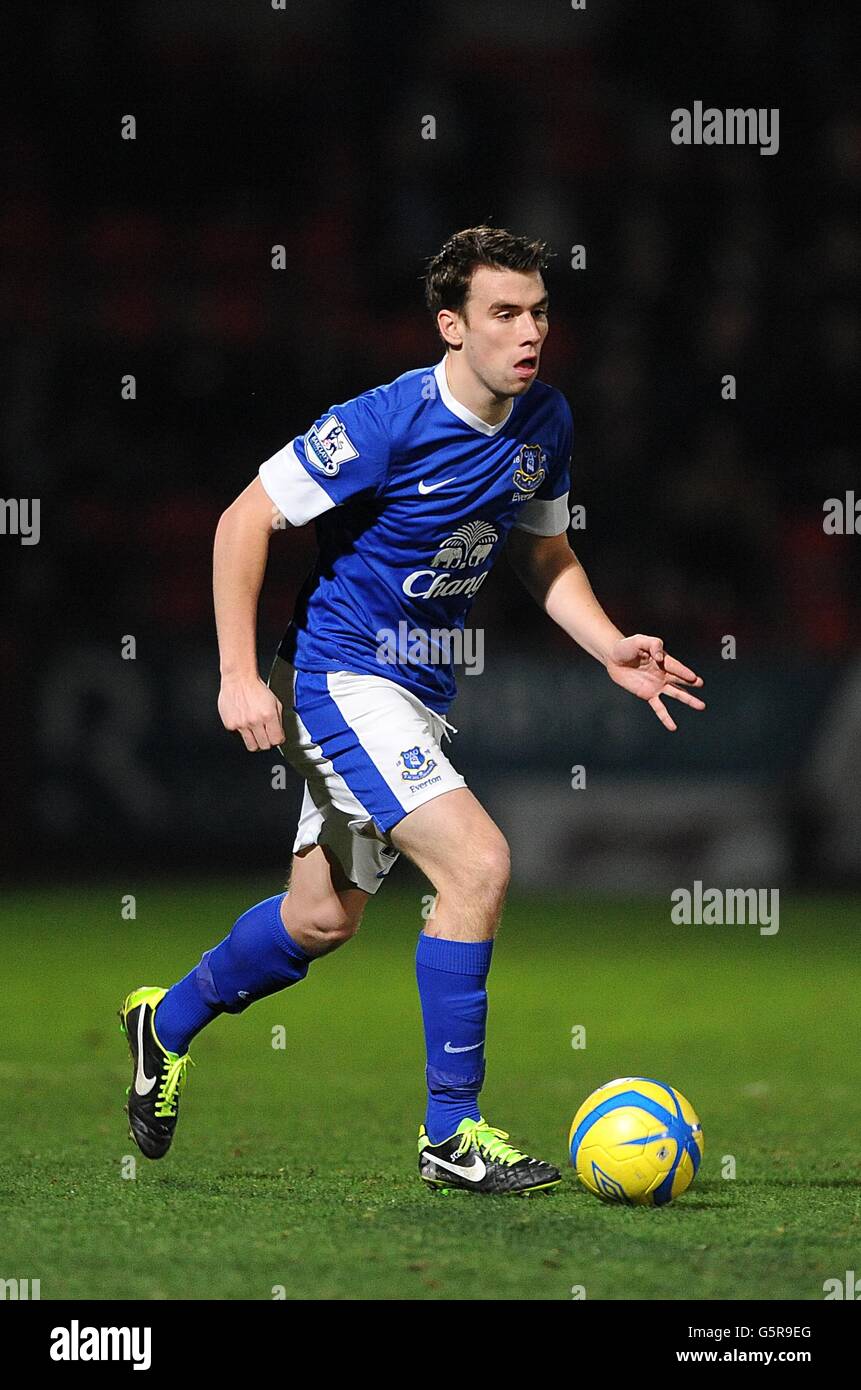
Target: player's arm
{"x":346,"y":452}
{"x":550,"y":571}
{"x":552,"y":574}
{"x":245,"y":702}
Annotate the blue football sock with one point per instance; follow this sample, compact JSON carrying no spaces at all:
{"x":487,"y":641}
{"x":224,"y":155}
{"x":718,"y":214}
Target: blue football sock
{"x":452,"y":977}
{"x":258,"y":957}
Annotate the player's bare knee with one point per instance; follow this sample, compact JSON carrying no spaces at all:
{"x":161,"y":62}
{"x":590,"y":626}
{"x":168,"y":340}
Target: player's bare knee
{"x":331,"y":924}
{"x":491,"y":865}
{"x":482,"y":875}
{"x":321,"y":924}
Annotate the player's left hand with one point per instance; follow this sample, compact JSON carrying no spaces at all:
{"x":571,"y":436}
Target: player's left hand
{"x":641,"y":665}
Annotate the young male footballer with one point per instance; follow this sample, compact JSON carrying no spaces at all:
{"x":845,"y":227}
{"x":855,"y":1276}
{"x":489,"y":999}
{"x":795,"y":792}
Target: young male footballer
{"x":415,"y":487}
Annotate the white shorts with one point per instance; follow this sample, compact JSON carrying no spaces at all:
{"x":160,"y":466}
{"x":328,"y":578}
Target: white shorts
{"x":370,"y":752}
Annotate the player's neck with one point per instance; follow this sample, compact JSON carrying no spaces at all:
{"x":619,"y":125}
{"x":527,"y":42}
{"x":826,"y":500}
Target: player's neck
{"x":470,"y":392}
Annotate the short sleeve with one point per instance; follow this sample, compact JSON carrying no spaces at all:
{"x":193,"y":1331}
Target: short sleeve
{"x":546,"y":513}
{"x":344,"y":453}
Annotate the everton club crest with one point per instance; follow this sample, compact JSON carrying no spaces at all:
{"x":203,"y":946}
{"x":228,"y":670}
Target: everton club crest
{"x":416,"y":764}
{"x":529,"y":470}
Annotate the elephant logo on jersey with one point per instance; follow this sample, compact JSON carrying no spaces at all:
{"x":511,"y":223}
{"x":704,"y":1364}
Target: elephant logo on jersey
{"x":327,"y":446}
{"x":416,"y":764}
{"x":467,"y":547}
{"x":529,"y":470}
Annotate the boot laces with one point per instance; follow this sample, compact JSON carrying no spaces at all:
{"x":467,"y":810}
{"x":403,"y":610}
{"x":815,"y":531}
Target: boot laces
{"x":172,"y":1083}
{"x":490,"y":1142}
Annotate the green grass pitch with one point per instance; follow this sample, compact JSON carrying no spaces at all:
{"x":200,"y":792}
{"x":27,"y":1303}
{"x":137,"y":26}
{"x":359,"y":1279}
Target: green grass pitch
{"x":296,"y":1167}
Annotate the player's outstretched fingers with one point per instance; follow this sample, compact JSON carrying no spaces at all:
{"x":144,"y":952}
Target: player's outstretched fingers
{"x":660,"y":710}
{"x":684,"y":695}
{"x":679,"y":672}
{"x":247,"y":735}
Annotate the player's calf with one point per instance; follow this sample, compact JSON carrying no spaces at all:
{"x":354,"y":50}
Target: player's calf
{"x":455,"y":842}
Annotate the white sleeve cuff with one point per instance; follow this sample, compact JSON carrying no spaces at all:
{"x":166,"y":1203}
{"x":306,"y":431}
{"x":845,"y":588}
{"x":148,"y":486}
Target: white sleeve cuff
{"x":545,"y":518}
{"x":295,"y":493}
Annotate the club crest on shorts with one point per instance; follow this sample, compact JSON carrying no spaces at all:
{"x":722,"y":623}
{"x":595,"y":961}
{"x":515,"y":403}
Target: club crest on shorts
{"x":529,"y":470}
{"x":416,"y":765}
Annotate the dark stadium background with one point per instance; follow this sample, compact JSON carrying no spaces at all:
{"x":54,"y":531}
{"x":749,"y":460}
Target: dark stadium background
{"x":302,"y":127}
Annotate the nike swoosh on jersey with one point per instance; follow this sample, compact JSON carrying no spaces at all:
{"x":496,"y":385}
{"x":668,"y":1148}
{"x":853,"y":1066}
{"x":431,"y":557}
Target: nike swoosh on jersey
{"x":425,"y":488}
{"x":474,"y":1173}
{"x":448,"y":1047}
{"x":143,"y":1083}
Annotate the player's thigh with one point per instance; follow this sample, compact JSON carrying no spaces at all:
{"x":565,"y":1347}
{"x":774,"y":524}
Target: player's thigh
{"x":456,"y":844}
{"x":320,"y":897}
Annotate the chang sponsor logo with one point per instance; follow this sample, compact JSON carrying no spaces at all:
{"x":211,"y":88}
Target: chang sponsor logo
{"x":434,"y":584}
{"x":468,"y":547}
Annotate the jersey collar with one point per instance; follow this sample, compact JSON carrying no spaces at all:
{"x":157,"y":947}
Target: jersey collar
{"x":461,"y":411}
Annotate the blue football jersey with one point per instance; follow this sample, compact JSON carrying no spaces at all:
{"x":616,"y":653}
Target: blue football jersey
{"x":413,"y":497}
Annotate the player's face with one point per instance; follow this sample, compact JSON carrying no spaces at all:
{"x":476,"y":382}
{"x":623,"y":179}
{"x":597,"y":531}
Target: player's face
{"x":504,"y":327}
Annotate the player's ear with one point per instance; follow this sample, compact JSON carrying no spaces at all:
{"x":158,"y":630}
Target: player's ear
{"x":448,"y":323}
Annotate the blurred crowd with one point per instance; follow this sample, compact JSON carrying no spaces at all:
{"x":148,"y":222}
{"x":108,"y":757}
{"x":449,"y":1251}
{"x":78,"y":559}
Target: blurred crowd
{"x":303,"y":127}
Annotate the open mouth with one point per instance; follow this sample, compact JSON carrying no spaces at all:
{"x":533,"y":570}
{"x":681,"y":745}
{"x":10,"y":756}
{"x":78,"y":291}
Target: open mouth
{"x":527,"y":366}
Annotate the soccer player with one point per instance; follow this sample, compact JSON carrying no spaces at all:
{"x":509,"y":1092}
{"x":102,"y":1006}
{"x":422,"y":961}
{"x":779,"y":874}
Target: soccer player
{"x":415,"y":487}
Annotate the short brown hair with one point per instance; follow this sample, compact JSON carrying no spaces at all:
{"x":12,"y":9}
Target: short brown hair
{"x":449,"y":273}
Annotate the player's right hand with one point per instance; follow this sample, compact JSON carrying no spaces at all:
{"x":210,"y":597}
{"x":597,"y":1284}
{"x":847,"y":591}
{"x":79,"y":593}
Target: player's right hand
{"x":248,"y":707}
